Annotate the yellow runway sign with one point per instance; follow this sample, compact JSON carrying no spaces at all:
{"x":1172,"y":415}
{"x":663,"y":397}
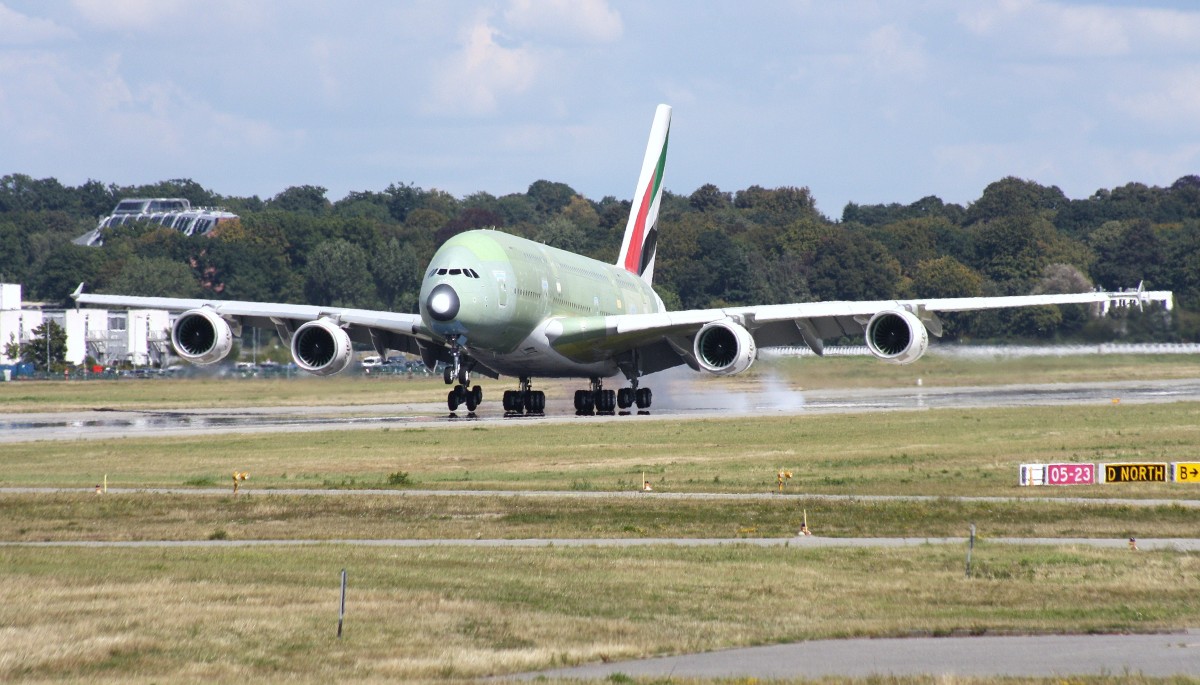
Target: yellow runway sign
{"x":1135,"y":473}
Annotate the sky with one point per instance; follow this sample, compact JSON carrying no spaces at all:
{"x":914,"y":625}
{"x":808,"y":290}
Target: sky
{"x":858,"y":100}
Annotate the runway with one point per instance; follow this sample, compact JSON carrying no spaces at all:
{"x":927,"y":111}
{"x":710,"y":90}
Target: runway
{"x":106,"y":424}
{"x":1028,"y":656}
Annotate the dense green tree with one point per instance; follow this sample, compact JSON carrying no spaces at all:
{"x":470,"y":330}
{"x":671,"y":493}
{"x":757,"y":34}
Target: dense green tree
{"x":337,"y":275}
{"x":46,"y":348}
{"x":550,"y":198}
{"x":1014,"y":197}
{"x":848,"y":267}
{"x":302,"y":199}
{"x":155,"y":277}
{"x":55,"y":278}
{"x":709,"y":198}
{"x":562,"y":233}
{"x":397,"y":273}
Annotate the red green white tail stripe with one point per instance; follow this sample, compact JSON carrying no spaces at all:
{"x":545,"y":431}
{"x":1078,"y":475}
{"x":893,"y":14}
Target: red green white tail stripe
{"x":641,"y":233}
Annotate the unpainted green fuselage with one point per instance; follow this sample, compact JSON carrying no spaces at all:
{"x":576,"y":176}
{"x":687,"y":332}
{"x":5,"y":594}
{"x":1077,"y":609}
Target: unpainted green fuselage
{"x":528,"y":309}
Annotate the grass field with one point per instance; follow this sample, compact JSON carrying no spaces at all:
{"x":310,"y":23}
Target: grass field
{"x":935,"y":452}
{"x":456,"y":614}
{"x":139,"y":615}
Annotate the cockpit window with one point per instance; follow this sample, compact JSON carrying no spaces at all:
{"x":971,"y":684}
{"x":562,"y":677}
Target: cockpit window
{"x":455,"y":272}
{"x":471,"y":273}
{"x":441,"y":272}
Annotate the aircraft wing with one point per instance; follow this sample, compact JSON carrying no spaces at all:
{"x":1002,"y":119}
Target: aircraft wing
{"x":381,"y":329}
{"x":666,"y":339}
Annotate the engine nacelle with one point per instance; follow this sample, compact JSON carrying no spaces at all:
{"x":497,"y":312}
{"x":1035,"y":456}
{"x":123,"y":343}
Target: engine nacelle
{"x":321,"y":347}
{"x":724,"y":348}
{"x":201,"y":336}
{"x":897,"y":336}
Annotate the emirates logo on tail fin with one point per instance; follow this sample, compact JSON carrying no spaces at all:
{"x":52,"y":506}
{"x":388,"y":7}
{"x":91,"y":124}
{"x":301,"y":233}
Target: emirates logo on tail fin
{"x":641,"y":233}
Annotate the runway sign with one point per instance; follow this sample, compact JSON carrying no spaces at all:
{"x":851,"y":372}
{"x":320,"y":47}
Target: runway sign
{"x":1186,"y":472}
{"x":1133,"y":473}
{"x":1033,"y":474}
{"x":1070,"y":474}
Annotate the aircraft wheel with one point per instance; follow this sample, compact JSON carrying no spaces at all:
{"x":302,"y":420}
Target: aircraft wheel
{"x":471,"y":402}
{"x":539,"y":401}
{"x":452,"y":400}
{"x":477,"y":392}
{"x":464,"y":376}
{"x":644,"y":398}
{"x":625,"y":398}
{"x":606,"y":401}
{"x":448,"y":375}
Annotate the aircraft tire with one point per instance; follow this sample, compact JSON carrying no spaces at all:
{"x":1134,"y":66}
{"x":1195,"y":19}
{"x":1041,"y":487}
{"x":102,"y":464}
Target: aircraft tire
{"x":477,"y":392}
{"x":452,"y":400}
{"x":448,"y":375}
{"x":625,"y":398}
{"x":644,"y":398}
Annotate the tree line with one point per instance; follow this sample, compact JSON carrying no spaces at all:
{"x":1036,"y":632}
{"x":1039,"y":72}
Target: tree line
{"x":716,"y":248}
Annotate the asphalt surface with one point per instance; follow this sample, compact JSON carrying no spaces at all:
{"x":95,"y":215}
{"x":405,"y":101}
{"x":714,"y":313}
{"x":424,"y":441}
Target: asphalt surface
{"x":1030,"y":656}
{"x":674,"y":405}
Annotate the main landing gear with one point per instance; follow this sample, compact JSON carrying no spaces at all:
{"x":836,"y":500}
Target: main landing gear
{"x":463,"y":393}
{"x":600,"y":401}
{"x":524,"y":401}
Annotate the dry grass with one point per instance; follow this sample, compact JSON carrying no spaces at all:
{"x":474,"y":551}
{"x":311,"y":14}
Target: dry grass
{"x":265,"y":516}
{"x":142,"y":615}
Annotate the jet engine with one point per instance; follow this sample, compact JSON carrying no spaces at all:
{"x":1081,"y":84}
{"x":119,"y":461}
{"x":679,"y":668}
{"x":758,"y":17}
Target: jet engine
{"x":897,"y":336}
{"x":321,"y":347}
{"x":724,"y":348}
{"x":201,"y":336}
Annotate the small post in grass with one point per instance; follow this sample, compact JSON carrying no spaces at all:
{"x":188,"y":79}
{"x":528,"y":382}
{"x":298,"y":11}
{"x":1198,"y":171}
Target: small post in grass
{"x":342,"y":605}
{"x":970,"y":548}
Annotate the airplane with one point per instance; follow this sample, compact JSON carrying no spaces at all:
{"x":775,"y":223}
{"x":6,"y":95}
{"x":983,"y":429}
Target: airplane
{"x":496,"y":304}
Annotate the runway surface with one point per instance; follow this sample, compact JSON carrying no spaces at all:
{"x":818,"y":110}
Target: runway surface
{"x":1030,"y":656}
{"x":107,"y":424}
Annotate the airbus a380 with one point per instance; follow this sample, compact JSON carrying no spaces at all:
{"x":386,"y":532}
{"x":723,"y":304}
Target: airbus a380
{"x":496,"y":304}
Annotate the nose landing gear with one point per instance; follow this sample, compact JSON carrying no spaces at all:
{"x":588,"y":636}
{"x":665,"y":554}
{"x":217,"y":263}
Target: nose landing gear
{"x":460,"y":370}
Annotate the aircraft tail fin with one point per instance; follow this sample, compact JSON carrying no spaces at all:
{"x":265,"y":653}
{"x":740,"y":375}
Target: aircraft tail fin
{"x":641,"y":233}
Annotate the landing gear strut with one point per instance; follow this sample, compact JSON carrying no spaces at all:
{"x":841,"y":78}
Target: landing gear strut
{"x":460,"y":370}
{"x":524,"y":401}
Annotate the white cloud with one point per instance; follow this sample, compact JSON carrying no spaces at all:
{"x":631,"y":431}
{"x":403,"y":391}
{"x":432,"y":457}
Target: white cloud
{"x":1163,"y":98}
{"x":894,"y":51}
{"x":137,"y":15}
{"x":18,"y":29}
{"x":473,"y":80}
{"x":571,"y":20}
{"x":1066,"y":30}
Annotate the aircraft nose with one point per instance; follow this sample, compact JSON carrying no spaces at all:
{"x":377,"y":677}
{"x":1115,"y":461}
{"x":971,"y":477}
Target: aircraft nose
{"x":443,"y":303}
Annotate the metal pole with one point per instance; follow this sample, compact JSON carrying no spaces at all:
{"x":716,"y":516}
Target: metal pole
{"x":342,"y":606}
{"x":970,"y":548}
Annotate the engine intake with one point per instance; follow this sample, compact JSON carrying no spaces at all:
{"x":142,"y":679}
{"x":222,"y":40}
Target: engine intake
{"x":321,"y":347}
{"x":897,"y":336}
{"x":201,"y":336}
{"x":724,"y":348}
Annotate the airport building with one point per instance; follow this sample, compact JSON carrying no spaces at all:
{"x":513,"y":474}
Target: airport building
{"x":140,"y":337}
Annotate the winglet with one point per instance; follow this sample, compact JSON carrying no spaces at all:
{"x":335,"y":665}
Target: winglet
{"x":78,"y":291}
{"x":640,"y":243}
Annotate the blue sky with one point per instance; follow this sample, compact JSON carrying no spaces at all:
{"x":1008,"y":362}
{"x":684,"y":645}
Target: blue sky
{"x":860,"y":101}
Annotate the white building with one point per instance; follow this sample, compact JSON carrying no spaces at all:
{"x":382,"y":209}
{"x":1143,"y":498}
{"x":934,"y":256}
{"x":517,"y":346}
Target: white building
{"x":141,"y":337}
